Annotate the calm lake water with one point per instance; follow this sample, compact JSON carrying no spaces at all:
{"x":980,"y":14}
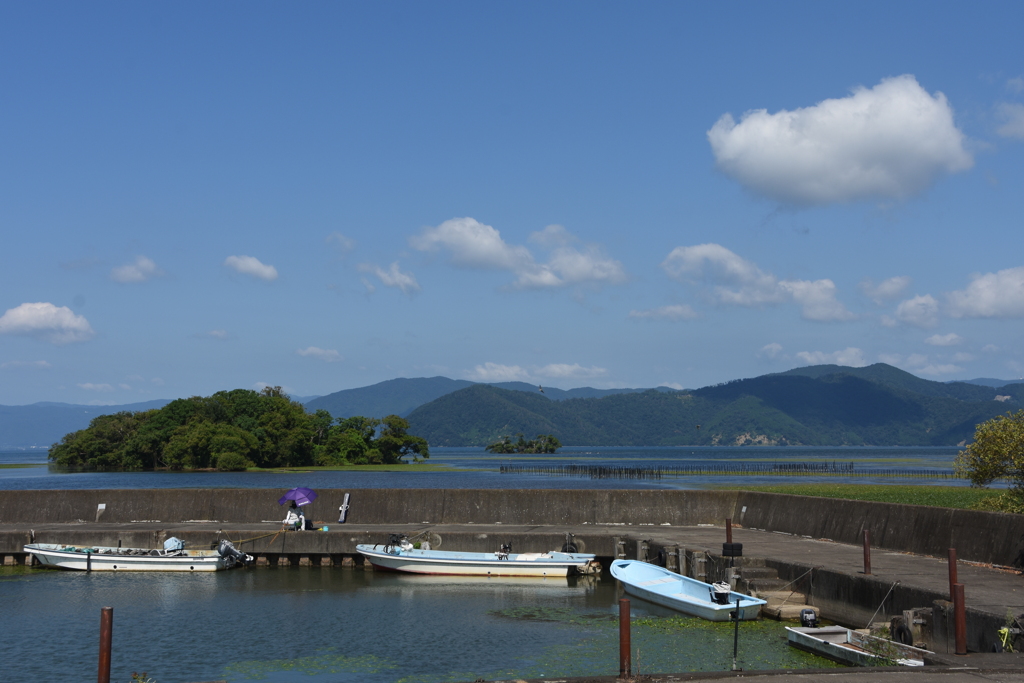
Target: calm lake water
{"x":476,"y":468}
{"x":282,"y":625}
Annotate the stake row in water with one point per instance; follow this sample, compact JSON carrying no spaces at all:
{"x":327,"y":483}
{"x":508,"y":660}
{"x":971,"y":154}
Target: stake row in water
{"x":788,"y":469}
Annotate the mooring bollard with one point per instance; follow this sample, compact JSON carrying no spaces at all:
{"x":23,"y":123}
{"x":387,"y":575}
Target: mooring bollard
{"x":867,"y":552}
{"x":625,"y":665}
{"x":959,"y":619}
{"x":952,"y":572}
{"x":106,"y":636}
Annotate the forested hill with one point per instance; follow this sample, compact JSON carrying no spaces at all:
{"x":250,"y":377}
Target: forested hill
{"x":823,"y":405}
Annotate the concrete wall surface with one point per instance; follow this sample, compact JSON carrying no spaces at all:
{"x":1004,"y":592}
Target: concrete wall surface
{"x":978,"y":536}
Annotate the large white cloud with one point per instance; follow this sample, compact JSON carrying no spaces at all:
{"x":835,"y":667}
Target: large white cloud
{"x":475,"y":245}
{"x":739,"y":282}
{"x":891,"y":141}
{"x":990,"y":295}
{"x":392,"y":277}
{"x":55,"y":324}
{"x":250,"y":265}
{"x":143,"y":269}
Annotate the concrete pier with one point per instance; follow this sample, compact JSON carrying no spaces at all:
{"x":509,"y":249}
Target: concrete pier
{"x":814,"y":545}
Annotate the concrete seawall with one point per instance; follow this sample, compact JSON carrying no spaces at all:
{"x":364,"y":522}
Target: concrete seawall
{"x":978,"y":536}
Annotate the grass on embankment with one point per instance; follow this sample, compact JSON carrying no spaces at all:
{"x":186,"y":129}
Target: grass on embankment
{"x":937,"y":496}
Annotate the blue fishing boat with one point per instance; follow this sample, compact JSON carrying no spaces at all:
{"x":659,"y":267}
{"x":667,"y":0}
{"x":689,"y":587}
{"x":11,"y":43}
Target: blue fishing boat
{"x":683,"y":594}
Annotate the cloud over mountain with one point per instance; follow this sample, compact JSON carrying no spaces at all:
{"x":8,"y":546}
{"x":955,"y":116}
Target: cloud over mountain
{"x":43,"y":320}
{"x":891,"y":141}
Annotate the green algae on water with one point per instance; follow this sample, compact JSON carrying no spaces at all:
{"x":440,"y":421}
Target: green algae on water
{"x":326,"y":663}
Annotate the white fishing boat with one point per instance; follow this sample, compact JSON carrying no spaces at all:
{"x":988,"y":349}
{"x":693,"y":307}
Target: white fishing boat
{"x":846,"y":646}
{"x":402,"y":556}
{"x":173,"y":557}
{"x":714,"y":602}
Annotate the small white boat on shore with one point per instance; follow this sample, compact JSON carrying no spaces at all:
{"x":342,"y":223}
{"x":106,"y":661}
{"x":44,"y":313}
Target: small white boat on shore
{"x":172,"y":558}
{"x":683,"y":594}
{"x":847,"y":646}
{"x":402,"y":556}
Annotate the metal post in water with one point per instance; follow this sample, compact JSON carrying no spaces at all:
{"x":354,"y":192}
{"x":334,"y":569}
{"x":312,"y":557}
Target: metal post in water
{"x":867,"y":552}
{"x":728,"y":531}
{"x":625,"y":665}
{"x":88,"y":562}
{"x":106,"y":636}
{"x":736,"y":637}
{"x":952,"y":572}
{"x":959,"y":619}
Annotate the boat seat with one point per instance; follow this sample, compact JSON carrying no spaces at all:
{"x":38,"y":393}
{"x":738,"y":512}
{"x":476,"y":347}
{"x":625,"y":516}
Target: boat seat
{"x":529,"y":557}
{"x":655,"y":582}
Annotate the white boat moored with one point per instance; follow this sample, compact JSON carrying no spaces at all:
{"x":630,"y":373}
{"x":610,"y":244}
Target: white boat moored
{"x":172,"y":558}
{"x":403,"y":557}
{"x":683,"y":594}
{"x":847,"y":646}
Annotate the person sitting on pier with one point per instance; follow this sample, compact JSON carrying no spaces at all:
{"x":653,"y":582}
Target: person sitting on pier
{"x":295,"y":519}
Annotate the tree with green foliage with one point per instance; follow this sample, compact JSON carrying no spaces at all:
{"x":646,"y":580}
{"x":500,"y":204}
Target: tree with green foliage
{"x":997,"y":452}
{"x":544,"y":443}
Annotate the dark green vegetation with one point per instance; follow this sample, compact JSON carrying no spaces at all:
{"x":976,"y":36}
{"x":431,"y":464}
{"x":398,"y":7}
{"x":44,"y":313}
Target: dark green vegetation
{"x":401,"y":396}
{"x":817,"y":406}
{"x":936,"y":496}
{"x":234,"y":430}
{"x":544,"y":443}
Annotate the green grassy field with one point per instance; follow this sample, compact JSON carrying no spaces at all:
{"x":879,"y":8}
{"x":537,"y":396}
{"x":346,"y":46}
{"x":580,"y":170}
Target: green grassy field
{"x":938,"y":496}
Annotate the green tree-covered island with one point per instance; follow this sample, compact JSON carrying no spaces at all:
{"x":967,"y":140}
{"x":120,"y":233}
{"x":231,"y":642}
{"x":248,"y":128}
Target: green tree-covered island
{"x":235,"y":430}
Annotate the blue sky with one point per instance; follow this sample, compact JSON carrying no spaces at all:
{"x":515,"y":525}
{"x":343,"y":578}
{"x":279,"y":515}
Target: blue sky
{"x":206,"y":196}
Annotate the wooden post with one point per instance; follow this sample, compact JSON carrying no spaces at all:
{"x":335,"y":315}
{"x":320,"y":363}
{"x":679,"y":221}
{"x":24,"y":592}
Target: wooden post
{"x":959,"y":619}
{"x":106,"y":636}
{"x":867,"y":552}
{"x":625,"y":665}
{"x":728,"y":531}
{"x":952,"y":572}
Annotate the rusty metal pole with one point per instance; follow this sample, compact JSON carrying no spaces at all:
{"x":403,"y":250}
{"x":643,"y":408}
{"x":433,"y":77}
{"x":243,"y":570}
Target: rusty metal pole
{"x":952,"y":572}
{"x":728,"y":531}
{"x":106,"y":636}
{"x":867,"y":552}
{"x":960,"y":619}
{"x":625,"y":665}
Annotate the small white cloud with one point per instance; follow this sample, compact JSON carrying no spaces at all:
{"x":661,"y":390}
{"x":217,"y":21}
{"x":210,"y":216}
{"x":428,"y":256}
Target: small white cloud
{"x":343,"y":244}
{"x":475,"y":245}
{"x":951,"y":339}
{"x":250,"y":265}
{"x":738,"y":282}
{"x":326,"y":355}
{"x":886,"y":290}
{"x":143,"y":269}
{"x":671,"y":385}
{"x":566,"y":371}
{"x":370,"y":288}
{"x":392,"y":277}
{"x":920,"y":311}
{"x":771,"y":351}
{"x":1012,"y":116}
{"x":962,"y":357}
{"x":890,"y":358}
{"x":89,"y":386}
{"x":494,"y":372}
{"x":674,"y":312}
{"x":939,"y":369}
{"x":850,"y":357}
{"x":888,"y":321}
{"x":891,"y":141}
{"x":990,"y":348}
{"x":218,"y":334}
{"x":126,"y":387}
{"x":55,"y":324}
{"x":1015,"y":85}
{"x":39,"y":364}
{"x":992,"y":295}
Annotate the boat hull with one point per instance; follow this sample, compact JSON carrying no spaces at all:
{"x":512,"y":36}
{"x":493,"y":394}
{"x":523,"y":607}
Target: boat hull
{"x":475,"y":564}
{"x":119,"y":559}
{"x":680,"y":593}
{"x":845,"y":646}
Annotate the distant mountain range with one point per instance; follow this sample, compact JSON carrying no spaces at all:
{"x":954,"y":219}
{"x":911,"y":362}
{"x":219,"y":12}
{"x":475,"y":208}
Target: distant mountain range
{"x":825,"y":405}
{"x":817,"y":405}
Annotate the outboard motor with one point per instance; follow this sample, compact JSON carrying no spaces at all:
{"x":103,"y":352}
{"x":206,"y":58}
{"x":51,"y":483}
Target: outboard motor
{"x":720,"y":593}
{"x":233,"y":555}
{"x":808,"y":619}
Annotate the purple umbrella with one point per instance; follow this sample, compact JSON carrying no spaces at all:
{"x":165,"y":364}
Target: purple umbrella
{"x":301,"y":496}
